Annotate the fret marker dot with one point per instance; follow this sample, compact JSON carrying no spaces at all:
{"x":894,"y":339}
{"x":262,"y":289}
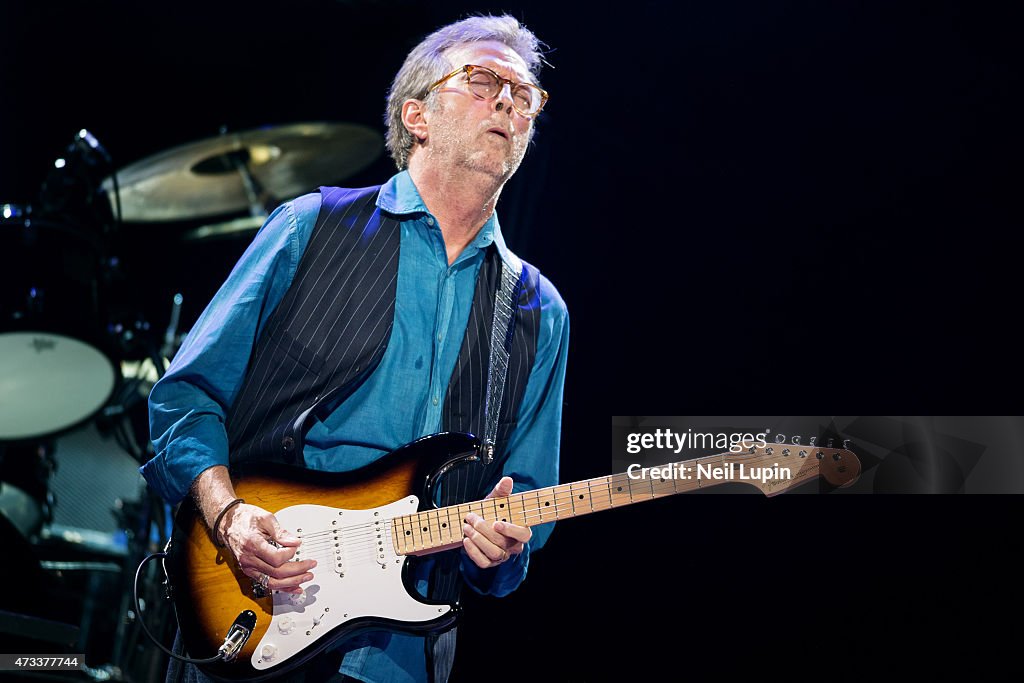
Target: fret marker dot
{"x":424,"y":528}
{"x":619,"y":489}
{"x":547,"y":502}
{"x":407,"y":533}
{"x":581,"y":496}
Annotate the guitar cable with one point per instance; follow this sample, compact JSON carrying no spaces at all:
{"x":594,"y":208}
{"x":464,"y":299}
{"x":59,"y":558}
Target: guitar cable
{"x":237,"y":636}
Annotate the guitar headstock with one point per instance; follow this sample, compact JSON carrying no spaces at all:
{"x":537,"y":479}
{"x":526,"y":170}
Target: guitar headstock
{"x":780,"y":466}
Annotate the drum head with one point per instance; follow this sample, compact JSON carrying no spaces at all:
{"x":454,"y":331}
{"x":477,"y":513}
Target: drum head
{"x":48,"y":383}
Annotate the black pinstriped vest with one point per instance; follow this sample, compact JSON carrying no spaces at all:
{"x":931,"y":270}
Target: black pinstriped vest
{"x":330,"y":332}
{"x":333,"y":325}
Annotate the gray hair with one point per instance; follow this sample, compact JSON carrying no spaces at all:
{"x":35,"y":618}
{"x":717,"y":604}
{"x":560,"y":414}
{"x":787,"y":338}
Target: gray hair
{"x":426,"y":63}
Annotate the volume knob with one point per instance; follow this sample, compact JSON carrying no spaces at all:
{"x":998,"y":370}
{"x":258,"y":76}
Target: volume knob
{"x":286,"y":625}
{"x":268,"y":652}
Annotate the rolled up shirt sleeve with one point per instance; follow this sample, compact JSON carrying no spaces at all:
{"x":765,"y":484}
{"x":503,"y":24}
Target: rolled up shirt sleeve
{"x":189,"y":404}
{"x":534,"y":445}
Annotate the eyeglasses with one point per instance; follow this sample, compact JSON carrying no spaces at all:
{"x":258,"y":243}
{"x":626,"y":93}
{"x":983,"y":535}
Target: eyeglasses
{"x":527,"y":99}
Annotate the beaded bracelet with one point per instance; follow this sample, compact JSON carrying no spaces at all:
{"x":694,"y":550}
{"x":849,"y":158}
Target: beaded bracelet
{"x":216,"y":524}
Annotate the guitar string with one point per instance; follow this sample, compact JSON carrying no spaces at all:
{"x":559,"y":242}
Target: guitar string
{"x":557,"y":490}
{"x":347,"y":555}
{"x":357,"y":531}
{"x":563,"y":501}
{"x":354,"y":542}
{"x":563,"y":496}
{"x":362,"y":554}
{"x":562,"y":504}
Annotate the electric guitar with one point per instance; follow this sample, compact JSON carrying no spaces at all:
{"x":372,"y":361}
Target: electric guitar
{"x":363,"y":526}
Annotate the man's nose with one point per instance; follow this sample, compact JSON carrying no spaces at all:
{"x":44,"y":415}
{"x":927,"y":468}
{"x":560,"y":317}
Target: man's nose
{"x":503,"y":102}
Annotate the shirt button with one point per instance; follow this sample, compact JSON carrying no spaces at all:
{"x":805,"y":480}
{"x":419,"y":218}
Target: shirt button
{"x":288,"y":443}
{"x":430,"y":220}
{"x":435,"y":400}
{"x":438,"y":337}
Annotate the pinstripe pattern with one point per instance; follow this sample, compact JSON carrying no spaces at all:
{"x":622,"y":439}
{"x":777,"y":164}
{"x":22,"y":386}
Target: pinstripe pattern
{"x":330,"y":331}
{"x":464,"y":412}
{"x":464,"y":403}
{"x":331,"y":327}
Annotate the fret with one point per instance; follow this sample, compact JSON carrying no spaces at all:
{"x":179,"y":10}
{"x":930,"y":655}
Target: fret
{"x":661,"y":487}
{"x":452,"y":533}
{"x":464,"y":510}
{"x":407,"y":537}
{"x":421,"y":530}
{"x":563,"y":495}
{"x":581,"y":499}
{"x":636,"y":487}
{"x":414,"y":527}
{"x":545,"y":500}
{"x":410,"y":538}
{"x":498,"y":504}
{"x":711,"y":462}
{"x":600,"y":498}
{"x":442,"y":529}
{"x":619,"y":487}
{"x":430,"y":529}
{"x":401,"y":545}
{"x":502,"y":509}
{"x":411,"y":526}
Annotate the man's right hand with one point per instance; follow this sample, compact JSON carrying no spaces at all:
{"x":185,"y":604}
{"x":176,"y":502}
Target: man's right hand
{"x":253,"y":535}
{"x":261,"y":546}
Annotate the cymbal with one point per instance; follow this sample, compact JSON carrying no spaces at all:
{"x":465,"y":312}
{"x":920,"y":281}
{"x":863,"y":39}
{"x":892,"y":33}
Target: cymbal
{"x":236,"y":227}
{"x":202,"y":179}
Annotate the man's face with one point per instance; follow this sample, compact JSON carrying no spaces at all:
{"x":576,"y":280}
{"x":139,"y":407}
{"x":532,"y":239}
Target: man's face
{"x":470,"y":132}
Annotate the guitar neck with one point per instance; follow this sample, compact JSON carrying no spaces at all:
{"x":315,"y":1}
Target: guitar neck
{"x":773,"y":469}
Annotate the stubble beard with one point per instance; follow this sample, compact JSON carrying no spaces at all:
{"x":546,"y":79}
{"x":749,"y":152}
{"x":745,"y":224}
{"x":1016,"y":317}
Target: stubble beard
{"x":459,"y":149}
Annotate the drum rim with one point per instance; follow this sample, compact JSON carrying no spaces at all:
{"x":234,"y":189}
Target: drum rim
{"x":115,"y":373}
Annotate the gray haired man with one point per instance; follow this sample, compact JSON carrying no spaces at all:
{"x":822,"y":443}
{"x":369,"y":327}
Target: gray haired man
{"x":460,"y":116}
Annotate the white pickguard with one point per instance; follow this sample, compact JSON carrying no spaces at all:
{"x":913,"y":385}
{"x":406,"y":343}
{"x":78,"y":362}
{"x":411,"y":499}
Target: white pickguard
{"x":357,"y":575}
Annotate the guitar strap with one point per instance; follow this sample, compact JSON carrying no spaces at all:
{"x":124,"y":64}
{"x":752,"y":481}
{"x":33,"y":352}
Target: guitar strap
{"x":441,"y":648}
{"x":506,"y":299}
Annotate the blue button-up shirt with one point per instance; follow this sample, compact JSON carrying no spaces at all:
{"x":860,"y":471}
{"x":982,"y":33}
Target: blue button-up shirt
{"x":401,"y":401}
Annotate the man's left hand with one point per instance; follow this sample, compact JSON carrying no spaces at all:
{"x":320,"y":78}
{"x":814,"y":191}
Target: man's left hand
{"x":490,"y":543}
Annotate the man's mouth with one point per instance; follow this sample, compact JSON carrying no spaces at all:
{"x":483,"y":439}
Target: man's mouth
{"x":500,"y":131}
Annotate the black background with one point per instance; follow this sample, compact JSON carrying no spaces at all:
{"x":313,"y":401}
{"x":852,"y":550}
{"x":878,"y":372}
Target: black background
{"x":750,"y":208}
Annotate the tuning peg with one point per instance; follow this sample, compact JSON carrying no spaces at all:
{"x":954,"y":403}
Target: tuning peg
{"x":779,"y":438}
{"x":830,"y":443}
{"x":846,"y":444}
{"x":814,"y":441}
{"x":796,"y":440}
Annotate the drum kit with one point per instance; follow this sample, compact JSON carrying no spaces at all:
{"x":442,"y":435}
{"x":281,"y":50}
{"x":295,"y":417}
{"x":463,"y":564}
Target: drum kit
{"x":99,"y":273}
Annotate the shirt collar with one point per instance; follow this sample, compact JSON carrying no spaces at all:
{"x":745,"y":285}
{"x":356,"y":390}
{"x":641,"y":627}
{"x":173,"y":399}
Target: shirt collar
{"x":400,"y":197}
